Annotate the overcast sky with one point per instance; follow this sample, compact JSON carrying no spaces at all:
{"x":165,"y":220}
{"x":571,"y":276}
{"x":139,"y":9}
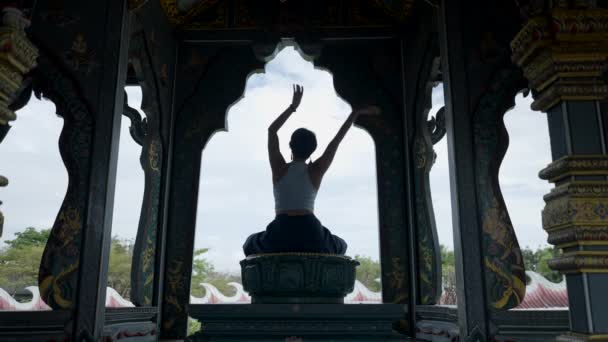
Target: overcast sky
{"x":235,"y":197}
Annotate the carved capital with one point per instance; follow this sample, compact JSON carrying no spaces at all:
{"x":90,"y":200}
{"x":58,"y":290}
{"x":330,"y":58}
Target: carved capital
{"x":576,"y":204}
{"x":17,"y":57}
{"x":576,"y":213}
{"x":575,"y":165}
{"x":564,"y":55}
{"x":579,"y":236}
{"x":581,"y":261}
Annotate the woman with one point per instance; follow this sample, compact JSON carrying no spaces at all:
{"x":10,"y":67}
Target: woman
{"x":295,"y":228}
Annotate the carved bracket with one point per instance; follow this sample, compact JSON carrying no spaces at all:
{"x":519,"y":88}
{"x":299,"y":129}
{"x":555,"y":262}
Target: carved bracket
{"x":138,"y":126}
{"x":503,"y":261}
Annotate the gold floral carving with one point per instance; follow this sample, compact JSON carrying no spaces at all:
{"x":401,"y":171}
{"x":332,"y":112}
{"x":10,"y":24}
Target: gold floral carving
{"x":564,"y":54}
{"x":581,"y":261}
{"x":399,"y":10}
{"x":576,"y":213}
{"x":17,"y":57}
{"x":575,"y":165}
{"x":182,"y":18}
{"x":579,"y":236}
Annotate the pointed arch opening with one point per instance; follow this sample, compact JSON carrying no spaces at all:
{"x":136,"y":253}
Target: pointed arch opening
{"x":37,"y":183}
{"x":235,"y":190}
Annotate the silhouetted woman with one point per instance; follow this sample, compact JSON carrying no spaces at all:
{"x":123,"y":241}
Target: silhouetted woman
{"x":295,"y":227}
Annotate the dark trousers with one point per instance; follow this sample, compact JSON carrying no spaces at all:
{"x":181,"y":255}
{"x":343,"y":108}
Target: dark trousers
{"x":301,"y":233}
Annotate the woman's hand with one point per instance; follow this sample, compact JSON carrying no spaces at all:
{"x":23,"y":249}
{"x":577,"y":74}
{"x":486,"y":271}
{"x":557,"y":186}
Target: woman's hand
{"x":298,"y":92}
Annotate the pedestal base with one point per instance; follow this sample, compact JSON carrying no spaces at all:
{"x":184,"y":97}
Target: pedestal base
{"x":306,"y":278}
{"x":300,"y":322}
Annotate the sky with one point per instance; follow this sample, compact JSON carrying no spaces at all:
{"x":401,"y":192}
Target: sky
{"x":235,"y":193}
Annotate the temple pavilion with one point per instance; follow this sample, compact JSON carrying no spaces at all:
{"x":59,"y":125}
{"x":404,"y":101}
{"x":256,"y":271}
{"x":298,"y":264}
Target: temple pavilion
{"x":192,"y":59}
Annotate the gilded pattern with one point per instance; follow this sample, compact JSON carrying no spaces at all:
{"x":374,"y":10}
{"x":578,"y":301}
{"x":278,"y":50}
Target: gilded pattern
{"x":399,"y":9}
{"x":187,"y":17}
{"x":576,"y":213}
{"x":504,"y":266}
{"x":574,"y":165}
{"x":57,"y":278}
{"x":246,"y":14}
{"x":80,"y":57}
{"x":564,"y":54}
{"x":429,"y":259}
{"x":143,"y":48}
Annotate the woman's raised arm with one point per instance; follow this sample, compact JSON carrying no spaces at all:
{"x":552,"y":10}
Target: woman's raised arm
{"x":277,"y":162}
{"x":321,"y":165}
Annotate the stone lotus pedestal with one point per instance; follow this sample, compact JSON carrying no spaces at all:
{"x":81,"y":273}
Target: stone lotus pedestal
{"x":307,"y":278}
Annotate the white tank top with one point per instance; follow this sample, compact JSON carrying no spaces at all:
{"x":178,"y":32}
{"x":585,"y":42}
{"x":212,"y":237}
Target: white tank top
{"x":294,"y":191}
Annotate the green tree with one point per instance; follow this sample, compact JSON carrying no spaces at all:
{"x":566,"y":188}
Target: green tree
{"x":537,"y":261}
{"x":368,"y":271}
{"x":204,"y":272}
{"x":20,"y":260}
{"x":447,"y":257}
{"x":448,"y":275}
{"x":119,"y":269}
{"x":201,"y":269}
{"x":29,"y":237}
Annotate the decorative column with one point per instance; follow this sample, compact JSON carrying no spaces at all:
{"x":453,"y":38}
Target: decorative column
{"x":17,"y":57}
{"x":563,"y":50}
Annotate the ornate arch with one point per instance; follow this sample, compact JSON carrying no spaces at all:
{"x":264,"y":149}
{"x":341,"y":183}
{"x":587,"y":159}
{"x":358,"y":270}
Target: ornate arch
{"x":205,"y":92}
{"x":367,"y":72}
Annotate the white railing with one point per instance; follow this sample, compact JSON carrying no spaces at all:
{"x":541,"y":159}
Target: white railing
{"x":540,"y":294}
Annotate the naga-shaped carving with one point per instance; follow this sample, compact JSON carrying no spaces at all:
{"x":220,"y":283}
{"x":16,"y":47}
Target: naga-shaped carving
{"x":58,"y":276}
{"x":138,"y":126}
{"x":428,"y":132}
{"x":429,"y":257}
{"x":504,"y":265}
{"x":146,"y":133}
{"x":436,"y":126}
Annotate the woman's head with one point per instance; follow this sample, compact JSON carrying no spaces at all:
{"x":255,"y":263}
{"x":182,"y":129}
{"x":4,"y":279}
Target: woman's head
{"x":303,"y":143}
